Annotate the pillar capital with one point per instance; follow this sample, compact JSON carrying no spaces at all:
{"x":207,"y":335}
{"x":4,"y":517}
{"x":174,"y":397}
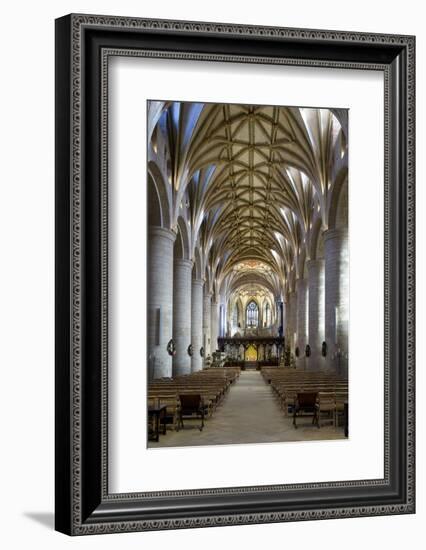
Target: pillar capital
{"x":156,"y":231}
{"x":316,"y":264}
{"x":292,"y":294}
{"x":182,"y":262}
{"x":316,"y":261}
{"x":336,"y":233}
{"x":301,"y":283}
{"x":198,"y":282}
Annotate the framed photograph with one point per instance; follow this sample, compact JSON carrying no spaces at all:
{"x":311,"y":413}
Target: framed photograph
{"x":234,"y":274}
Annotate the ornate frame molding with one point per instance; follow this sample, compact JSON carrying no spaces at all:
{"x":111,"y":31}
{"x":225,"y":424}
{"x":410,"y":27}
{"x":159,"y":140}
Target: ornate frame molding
{"x":83,"y":504}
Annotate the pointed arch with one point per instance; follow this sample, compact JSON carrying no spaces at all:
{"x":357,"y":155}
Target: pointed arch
{"x":341,"y":220}
{"x":198,"y":270}
{"x":317,"y":241}
{"x":252,"y":314}
{"x":182,"y":243}
{"x":338,"y":209}
{"x":163,"y":192}
{"x":155,"y":215}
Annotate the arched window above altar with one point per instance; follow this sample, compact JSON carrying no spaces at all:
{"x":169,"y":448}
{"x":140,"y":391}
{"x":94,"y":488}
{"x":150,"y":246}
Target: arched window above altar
{"x":252,"y":314}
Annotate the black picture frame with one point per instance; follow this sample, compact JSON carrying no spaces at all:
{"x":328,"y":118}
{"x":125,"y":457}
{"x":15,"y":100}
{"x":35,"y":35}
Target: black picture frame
{"x":83,"y":504}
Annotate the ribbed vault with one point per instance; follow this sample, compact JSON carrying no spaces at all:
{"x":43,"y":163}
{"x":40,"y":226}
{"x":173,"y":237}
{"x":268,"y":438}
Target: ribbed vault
{"x":254,"y":186}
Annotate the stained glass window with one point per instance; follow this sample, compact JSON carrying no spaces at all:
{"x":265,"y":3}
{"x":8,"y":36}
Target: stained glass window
{"x":252,"y":314}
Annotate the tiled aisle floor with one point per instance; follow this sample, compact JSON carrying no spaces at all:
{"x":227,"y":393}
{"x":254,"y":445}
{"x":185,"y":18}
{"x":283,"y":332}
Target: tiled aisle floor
{"x":248,"y":414}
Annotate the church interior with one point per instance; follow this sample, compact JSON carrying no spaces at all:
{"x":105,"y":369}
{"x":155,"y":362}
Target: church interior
{"x":247,"y":273}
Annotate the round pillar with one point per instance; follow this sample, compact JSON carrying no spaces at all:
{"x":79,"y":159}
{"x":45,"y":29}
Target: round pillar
{"x":182,"y":316}
{"x":197,"y":324}
{"x":160,"y":301}
{"x":206,"y":323}
{"x":292,"y":320}
{"x":302,"y":320}
{"x":214,"y":326}
{"x":287,"y":319}
{"x":316,"y":313}
{"x":336,"y":298}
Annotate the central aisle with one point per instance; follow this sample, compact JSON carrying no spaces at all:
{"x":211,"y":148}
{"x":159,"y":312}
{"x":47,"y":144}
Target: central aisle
{"x":248,"y":414}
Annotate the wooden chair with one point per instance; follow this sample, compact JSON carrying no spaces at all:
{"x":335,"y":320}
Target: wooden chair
{"x":171,"y":401}
{"x":306,"y":402}
{"x":191,"y":405}
{"x":341,"y":398}
{"x":326,"y":403}
{"x":288,"y":399}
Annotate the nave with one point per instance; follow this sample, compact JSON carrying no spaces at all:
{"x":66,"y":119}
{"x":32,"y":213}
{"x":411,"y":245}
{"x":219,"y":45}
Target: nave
{"x":247,"y":268}
{"x":249,"y":413}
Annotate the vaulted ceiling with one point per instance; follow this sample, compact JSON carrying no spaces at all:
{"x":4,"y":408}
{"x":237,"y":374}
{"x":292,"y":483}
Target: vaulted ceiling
{"x":253,"y":185}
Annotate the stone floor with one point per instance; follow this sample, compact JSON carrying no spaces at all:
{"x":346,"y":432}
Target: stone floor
{"x":248,"y":414}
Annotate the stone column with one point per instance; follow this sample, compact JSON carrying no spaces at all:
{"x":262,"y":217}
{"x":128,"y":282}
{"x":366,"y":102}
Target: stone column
{"x":206,"y":323}
{"x":281,"y":319}
{"x":214,"y":327}
{"x":284,"y":316}
{"x":277,"y":315}
{"x":336,"y":297}
{"x":221,"y":317}
{"x":292,"y":320}
{"x":197,"y":324}
{"x":302,"y":320}
{"x":160,"y":300}
{"x":287,"y":319}
{"x":316,"y":313}
{"x":182,"y":316}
